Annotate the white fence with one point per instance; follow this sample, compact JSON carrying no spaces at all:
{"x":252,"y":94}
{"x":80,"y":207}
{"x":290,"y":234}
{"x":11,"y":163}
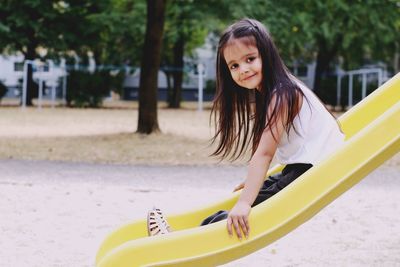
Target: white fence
{"x":364,"y":76}
{"x":41,"y":75}
{"x":57,"y":76}
{"x":14,"y":69}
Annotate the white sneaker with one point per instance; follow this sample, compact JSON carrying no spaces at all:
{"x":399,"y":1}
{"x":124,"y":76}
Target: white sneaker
{"x":156,"y":223}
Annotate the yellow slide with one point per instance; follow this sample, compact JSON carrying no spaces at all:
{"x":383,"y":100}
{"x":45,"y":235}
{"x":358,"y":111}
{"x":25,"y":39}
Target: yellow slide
{"x":373,"y":135}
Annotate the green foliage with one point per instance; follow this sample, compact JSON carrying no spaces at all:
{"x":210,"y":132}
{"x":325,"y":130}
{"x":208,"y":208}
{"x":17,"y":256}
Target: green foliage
{"x":210,"y":87}
{"x":185,"y":20}
{"x":60,"y":26}
{"x":359,"y":31}
{"x":186,"y":27}
{"x":55,"y":27}
{"x":3,"y":90}
{"x":356,"y":29}
{"x":328,"y":95}
{"x":122,"y":26}
{"x":290,"y":32}
{"x":86,"y":89}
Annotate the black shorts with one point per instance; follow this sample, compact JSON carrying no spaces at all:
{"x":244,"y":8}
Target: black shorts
{"x":271,"y":186}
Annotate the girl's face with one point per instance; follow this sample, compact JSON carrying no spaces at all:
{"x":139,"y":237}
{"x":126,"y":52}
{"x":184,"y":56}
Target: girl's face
{"x":244,"y":63}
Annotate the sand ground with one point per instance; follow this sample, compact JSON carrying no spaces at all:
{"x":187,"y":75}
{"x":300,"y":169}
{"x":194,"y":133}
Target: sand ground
{"x":62,"y":191}
{"x":56,"y":214}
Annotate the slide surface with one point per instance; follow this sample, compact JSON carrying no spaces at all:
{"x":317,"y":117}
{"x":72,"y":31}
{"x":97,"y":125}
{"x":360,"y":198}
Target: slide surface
{"x":373,"y":136}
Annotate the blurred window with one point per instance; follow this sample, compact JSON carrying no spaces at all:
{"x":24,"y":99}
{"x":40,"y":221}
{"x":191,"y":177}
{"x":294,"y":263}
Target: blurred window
{"x":18,"y":66}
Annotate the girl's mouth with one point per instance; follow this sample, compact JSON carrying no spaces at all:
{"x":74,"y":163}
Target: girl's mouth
{"x":249,"y":77}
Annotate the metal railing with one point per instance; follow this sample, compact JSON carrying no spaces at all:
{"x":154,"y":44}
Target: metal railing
{"x":351,"y":74}
{"x":40,"y":69}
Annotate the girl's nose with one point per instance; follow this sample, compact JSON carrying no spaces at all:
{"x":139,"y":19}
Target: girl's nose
{"x":244,"y":70}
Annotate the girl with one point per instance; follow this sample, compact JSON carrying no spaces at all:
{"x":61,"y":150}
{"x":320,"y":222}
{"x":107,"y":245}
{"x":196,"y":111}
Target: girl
{"x":259,"y":102}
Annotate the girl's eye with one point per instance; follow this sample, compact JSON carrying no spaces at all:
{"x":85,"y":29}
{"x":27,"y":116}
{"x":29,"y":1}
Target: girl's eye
{"x":234,"y":66}
{"x":250,"y":59}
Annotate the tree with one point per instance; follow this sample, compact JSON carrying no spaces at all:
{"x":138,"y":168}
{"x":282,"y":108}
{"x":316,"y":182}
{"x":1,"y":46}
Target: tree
{"x":3,"y":90}
{"x":186,"y":27}
{"x":355,"y":30}
{"x":324,"y":30}
{"x":148,"y":121}
{"x":55,"y":26}
{"x":122,"y":28}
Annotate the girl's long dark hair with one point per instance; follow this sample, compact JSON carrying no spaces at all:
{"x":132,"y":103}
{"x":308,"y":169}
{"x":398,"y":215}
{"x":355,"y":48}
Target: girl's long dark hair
{"x":237,"y":122}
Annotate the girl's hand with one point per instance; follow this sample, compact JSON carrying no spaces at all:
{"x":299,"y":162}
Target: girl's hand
{"x":238,"y":219}
{"x":238,"y":187}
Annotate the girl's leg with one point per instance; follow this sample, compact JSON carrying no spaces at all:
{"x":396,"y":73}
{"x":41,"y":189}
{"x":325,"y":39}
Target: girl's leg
{"x":222,"y":214}
{"x":216,"y":217}
{"x":270,"y":187}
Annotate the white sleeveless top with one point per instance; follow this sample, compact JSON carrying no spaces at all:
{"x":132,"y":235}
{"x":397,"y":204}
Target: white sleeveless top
{"x":318,"y":134}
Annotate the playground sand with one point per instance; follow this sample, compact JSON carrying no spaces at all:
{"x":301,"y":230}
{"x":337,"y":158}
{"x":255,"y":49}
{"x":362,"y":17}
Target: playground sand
{"x":104,"y":136}
{"x":57,"y":213}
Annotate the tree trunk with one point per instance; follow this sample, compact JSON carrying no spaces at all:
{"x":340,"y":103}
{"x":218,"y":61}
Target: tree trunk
{"x":325,"y":56}
{"x":168,"y":75}
{"x":320,"y":69}
{"x":32,"y":87}
{"x":179,"y":48}
{"x":148,"y":122}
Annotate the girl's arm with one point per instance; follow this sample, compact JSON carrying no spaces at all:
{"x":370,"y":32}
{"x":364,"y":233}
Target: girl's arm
{"x":257,"y":170}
